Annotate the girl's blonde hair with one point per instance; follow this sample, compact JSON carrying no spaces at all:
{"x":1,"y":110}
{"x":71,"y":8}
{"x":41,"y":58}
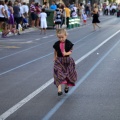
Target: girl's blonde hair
{"x":61,"y":31}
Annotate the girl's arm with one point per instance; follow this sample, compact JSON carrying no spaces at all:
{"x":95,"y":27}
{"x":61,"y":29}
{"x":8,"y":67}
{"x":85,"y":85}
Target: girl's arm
{"x":67,"y":53}
{"x":55,"y":55}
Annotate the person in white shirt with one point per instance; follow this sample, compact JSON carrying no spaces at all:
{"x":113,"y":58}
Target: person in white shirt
{"x":25,"y":9}
{"x":7,"y":15}
{"x":21,"y":9}
{"x":107,"y":8}
{"x":2,"y":13}
{"x":21,"y":16}
{"x":43,"y":21}
{"x":113,"y":9}
{"x":74,"y":12}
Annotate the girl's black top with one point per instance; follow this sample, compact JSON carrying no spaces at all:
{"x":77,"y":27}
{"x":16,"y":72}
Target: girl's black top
{"x":68,"y":47}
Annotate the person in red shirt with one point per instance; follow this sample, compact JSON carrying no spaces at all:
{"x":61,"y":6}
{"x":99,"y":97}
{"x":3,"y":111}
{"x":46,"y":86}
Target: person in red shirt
{"x":38,"y":10}
{"x":33,"y":13}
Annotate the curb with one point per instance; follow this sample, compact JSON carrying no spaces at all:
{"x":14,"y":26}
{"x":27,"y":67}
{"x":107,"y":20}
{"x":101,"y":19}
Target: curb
{"x":25,"y":31}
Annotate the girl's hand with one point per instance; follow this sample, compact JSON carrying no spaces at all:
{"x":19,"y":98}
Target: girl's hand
{"x":64,"y":53}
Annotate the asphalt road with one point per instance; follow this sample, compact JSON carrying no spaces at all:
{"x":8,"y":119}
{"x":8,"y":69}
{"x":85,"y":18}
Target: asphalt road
{"x":27,"y":91}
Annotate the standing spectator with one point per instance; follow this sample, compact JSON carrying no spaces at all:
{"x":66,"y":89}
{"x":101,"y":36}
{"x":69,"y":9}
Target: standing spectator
{"x":21,"y":15}
{"x":6,"y":10}
{"x":38,"y":10}
{"x":71,"y":6}
{"x":43,"y":21}
{"x":107,"y":10}
{"x":62,"y":9}
{"x":103,"y":8}
{"x":11,"y":18}
{"x":25,"y":10}
{"x":58,"y":3}
{"x":33,"y":14}
{"x":79,"y":11}
{"x":58,"y":18}
{"x":74,"y":12}
{"x":2,"y":13}
{"x":53,"y":6}
{"x":17,"y":15}
{"x":87,"y":10}
{"x":67,"y":12}
{"x":113,"y":9}
{"x":110,"y":9}
{"x":45,"y":5}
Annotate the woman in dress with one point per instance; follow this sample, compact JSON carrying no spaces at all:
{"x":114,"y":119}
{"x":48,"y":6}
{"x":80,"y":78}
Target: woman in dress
{"x":95,"y":18}
{"x":43,"y":20}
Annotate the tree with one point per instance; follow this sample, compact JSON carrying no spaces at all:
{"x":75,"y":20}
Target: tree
{"x":66,"y":1}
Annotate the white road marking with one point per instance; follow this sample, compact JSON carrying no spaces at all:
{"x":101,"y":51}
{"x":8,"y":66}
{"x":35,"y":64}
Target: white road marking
{"x":45,"y":37}
{"x":51,"y":35}
{"x":36,"y":92}
{"x":37,"y":39}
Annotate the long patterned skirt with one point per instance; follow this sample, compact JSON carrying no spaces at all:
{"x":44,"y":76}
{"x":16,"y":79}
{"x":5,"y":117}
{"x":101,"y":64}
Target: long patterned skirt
{"x":64,"y":71}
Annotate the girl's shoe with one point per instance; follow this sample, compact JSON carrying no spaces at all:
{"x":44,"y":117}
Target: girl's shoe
{"x":60,"y":93}
{"x":66,"y":89}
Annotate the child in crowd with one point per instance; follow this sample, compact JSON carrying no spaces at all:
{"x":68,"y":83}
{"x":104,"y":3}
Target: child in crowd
{"x":14,"y":30}
{"x":64,"y":65}
{"x":25,"y":22}
{"x":43,"y":21}
{"x":57,"y":18}
{"x":84,"y":16}
{"x":5,"y":30}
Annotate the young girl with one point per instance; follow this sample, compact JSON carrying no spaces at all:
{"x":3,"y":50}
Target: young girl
{"x":43,"y":21}
{"x":14,"y":30}
{"x":5,"y":30}
{"x":64,"y":65}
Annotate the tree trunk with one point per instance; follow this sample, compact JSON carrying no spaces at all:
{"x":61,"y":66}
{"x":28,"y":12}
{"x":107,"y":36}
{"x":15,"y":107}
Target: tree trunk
{"x":76,"y":1}
{"x":50,"y":1}
{"x":66,"y":1}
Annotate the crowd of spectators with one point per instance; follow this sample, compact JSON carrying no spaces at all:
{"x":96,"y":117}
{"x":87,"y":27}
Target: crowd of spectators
{"x":110,"y":9}
{"x":13,"y":17}
{"x":18,"y":16}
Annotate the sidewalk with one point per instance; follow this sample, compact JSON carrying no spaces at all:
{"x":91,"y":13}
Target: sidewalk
{"x":22,"y":32}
